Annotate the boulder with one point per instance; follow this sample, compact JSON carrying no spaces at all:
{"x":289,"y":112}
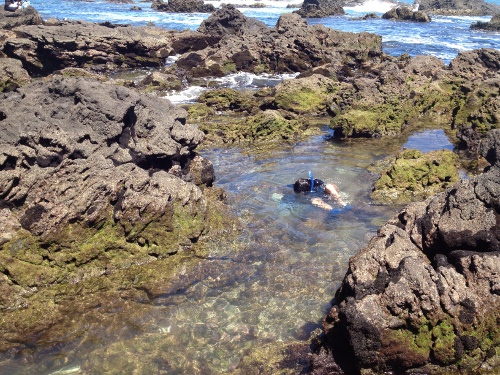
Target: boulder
{"x":97,"y":176}
{"x":458,"y":7}
{"x":12,"y":75}
{"x":28,"y":16}
{"x":182,"y":6}
{"x":492,"y":25}
{"x":320,"y":8}
{"x":424,"y":295}
{"x":403,"y":13}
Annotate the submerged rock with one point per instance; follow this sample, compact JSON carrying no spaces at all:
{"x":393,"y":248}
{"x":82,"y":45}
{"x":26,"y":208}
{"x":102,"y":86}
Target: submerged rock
{"x":424,"y":295}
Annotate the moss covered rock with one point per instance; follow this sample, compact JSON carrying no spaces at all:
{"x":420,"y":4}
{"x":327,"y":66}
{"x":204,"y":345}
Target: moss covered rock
{"x":265,"y":127}
{"x":415,"y":175}
{"x":305,"y":95}
{"x":226,"y":99}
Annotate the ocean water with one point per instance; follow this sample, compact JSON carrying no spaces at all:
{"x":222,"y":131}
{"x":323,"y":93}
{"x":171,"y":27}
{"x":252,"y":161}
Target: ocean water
{"x":444,"y":37}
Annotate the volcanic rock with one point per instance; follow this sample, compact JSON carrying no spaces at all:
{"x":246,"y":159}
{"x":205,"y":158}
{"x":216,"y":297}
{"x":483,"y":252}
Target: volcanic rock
{"x":87,"y":168}
{"x":492,"y":25}
{"x":458,"y":7}
{"x":44,"y":49}
{"x":182,"y":6}
{"x":424,"y":295}
{"x":28,"y":16}
{"x":320,"y":8}
{"x":403,"y":13}
{"x":246,"y":44}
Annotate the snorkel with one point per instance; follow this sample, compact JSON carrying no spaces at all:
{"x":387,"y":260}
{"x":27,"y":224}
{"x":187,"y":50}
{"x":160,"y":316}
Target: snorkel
{"x":312,"y":180}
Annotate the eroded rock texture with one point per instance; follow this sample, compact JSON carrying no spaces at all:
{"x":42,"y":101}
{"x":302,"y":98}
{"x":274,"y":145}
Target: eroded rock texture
{"x":95,"y":175}
{"x":425,"y":293}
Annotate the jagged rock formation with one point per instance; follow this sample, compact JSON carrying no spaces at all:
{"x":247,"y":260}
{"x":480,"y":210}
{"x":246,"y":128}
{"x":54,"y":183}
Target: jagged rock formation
{"x":458,"y":7}
{"x":245,"y":44}
{"x":93,"y":174}
{"x":320,"y":8}
{"x":46,"y":47}
{"x":425,"y":293}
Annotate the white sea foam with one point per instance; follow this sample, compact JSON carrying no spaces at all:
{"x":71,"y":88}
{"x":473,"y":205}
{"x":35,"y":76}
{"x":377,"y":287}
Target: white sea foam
{"x":239,"y":80}
{"x":188,"y":95}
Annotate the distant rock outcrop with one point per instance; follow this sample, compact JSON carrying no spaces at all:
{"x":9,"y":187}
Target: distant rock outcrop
{"x":320,"y":8}
{"x":403,"y":13}
{"x":458,"y":7}
{"x":492,"y":25}
{"x":83,"y":163}
{"x":28,"y":16}
{"x":182,"y":6}
{"x":56,"y":45}
{"x":424,"y":295}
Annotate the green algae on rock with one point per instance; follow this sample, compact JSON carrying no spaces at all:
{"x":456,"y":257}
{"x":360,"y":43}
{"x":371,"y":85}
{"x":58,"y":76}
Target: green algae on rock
{"x":423,"y":295}
{"x":415,"y":176}
{"x":265,"y":127}
{"x":226,"y":99}
{"x":304,"y":95}
{"x":101,"y":191}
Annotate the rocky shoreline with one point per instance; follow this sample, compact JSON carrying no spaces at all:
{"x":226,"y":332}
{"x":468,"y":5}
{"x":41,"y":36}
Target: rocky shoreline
{"x":96,"y":176}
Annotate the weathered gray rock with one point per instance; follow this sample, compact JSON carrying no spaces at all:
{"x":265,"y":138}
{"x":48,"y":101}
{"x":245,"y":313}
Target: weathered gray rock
{"x":492,"y":25}
{"x":425,"y":293}
{"x":28,"y":16}
{"x":320,"y":8}
{"x":78,"y":151}
{"x":12,"y":75}
{"x":182,"y":6}
{"x":245,"y":44}
{"x":458,"y":7}
{"x":403,"y":13}
{"x":44,"y":49}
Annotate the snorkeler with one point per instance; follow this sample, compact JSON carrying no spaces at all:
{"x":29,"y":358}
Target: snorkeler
{"x":331,"y":191}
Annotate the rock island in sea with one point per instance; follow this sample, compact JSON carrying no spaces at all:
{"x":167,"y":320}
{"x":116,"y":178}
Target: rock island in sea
{"x":102,"y":189}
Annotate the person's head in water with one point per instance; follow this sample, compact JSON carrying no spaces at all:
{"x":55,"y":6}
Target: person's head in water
{"x":303,"y":185}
